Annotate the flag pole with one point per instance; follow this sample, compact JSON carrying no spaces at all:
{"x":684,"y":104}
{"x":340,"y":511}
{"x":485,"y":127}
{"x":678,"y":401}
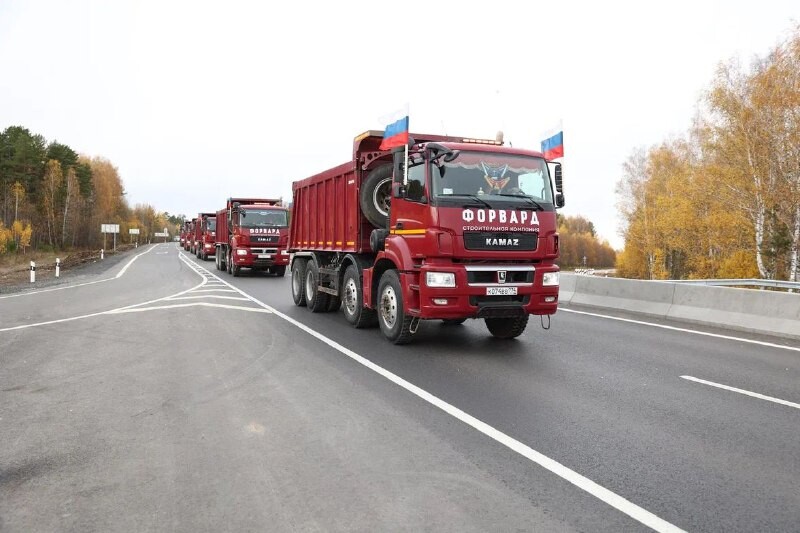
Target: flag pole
{"x":408,"y":134}
{"x":405,"y":168}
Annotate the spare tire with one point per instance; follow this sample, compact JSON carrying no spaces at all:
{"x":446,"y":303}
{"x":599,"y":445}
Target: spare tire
{"x":376,"y":196}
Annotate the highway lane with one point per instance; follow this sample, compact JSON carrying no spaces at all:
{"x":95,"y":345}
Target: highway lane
{"x":606,"y":399}
{"x":205,"y":412}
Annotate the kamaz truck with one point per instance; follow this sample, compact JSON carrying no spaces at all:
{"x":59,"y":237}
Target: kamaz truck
{"x":448,"y":228}
{"x":252,"y":233}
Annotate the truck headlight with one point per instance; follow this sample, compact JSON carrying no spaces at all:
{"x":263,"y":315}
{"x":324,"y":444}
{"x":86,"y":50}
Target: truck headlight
{"x":241,"y":251}
{"x":440,"y":279}
{"x":550,"y":279}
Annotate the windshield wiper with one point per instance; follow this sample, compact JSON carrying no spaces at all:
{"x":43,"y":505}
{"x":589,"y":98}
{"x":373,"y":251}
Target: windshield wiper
{"x":474,"y":197}
{"x":536,"y":205}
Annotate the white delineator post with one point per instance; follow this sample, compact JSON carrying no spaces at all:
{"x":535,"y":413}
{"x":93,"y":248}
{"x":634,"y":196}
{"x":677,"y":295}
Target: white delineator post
{"x":101,"y":253}
{"x":58,"y":267}
{"x":33,"y":272}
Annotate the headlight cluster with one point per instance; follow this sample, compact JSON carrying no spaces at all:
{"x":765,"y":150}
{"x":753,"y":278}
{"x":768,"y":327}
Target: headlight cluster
{"x":550,"y":279}
{"x":440,"y":279}
{"x":241,"y":251}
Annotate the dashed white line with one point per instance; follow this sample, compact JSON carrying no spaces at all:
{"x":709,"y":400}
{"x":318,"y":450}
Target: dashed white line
{"x":683,"y":330}
{"x":742,"y":391}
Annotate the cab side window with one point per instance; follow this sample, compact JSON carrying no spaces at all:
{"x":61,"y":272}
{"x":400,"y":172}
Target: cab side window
{"x":415,"y":190}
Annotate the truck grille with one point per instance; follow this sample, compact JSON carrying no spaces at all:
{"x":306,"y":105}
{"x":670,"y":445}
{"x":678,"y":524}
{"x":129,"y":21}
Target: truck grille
{"x":500,"y":241}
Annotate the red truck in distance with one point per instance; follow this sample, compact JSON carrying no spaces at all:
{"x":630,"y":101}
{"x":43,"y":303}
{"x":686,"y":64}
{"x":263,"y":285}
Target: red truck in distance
{"x":184,"y":233}
{"x":252,"y":233}
{"x":189,"y":241}
{"x":205,"y":235}
{"x":470,"y":233}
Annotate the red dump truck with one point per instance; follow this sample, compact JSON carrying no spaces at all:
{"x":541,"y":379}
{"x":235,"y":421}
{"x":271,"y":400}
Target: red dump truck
{"x":461,"y":228}
{"x":205,"y":235}
{"x":184,"y":233}
{"x":189,"y":240}
{"x":252,"y":233}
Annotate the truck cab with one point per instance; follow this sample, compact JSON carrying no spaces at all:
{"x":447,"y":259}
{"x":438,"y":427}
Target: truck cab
{"x":256,"y":233}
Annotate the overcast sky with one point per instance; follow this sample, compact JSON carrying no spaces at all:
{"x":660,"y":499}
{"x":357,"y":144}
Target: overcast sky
{"x":198,"y":101}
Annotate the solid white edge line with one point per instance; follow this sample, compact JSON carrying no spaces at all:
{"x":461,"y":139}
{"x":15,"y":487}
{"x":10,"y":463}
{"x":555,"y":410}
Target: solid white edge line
{"x":193,"y":304}
{"x":683,"y":330}
{"x":80,"y":284}
{"x":742,"y":391}
{"x":614,"y":500}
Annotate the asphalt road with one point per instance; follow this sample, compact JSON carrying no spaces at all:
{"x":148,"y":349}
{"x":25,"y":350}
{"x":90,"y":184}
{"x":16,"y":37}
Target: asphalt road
{"x":163,"y":399}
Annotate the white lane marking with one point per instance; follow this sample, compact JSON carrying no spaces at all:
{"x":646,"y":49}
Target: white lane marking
{"x":194,"y":304}
{"x":684,"y":330}
{"x":99,"y":313}
{"x":209,"y":296}
{"x":214,"y":290}
{"x":119,"y":275}
{"x":742,"y":391}
{"x":614,"y":500}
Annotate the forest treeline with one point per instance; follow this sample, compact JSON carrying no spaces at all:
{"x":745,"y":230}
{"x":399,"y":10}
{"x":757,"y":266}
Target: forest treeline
{"x":723,"y":201}
{"x":580,"y":245}
{"x":52,"y":197}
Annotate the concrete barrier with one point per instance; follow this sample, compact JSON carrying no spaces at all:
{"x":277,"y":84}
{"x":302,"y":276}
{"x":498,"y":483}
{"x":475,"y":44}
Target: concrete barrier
{"x":767,"y":312}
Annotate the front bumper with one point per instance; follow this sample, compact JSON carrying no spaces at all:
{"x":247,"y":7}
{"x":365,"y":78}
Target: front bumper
{"x":484,"y":291}
{"x":259,"y":258}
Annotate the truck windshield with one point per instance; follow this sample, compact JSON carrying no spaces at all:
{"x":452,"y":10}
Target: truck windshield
{"x":263,"y":218}
{"x":211,"y":224}
{"x":494,"y":177}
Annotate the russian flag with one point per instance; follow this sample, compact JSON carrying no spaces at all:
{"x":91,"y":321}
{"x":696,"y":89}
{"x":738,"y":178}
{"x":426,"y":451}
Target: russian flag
{"x":553,"y":145}
{"x":396,"y":133}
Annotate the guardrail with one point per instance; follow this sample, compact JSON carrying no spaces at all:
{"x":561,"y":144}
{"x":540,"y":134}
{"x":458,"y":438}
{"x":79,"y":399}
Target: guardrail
{"x":760,"y":283}
{"x":767,"y":312}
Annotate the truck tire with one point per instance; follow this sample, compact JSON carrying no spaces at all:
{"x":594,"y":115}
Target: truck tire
{"x":279,"y":271}
{"x":334,"y":303}
{"x":353,"y":300}
{"x":376,"y":196}
{"x":316,"y":301}
{"x":228,"y":261}
{"x":453,"y":321}
{"x":507,"y":328}
{"x":392,"y":318}
{"x":299,"y":282}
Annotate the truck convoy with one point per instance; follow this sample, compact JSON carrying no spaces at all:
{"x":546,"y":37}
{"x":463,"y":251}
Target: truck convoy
{"x":204,"y":235}
{"x":252,"y":233}
{"x":461,"y":228}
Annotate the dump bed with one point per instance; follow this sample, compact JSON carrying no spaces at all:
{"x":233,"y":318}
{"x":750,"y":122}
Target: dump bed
{"x":221,"y":234}
{"x":326,"y":215}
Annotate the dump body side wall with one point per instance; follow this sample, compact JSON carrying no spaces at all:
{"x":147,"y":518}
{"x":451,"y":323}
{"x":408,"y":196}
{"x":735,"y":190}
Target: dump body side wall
{"x":326,"y":215}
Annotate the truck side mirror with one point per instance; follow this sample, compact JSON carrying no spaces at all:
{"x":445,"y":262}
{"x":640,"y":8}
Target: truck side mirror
{"x":398,"y":163}
{"x":559,"y":179}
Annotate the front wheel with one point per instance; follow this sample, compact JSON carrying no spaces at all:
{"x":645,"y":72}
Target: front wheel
{"x":392,"y":318}
{"x":507,"y":328}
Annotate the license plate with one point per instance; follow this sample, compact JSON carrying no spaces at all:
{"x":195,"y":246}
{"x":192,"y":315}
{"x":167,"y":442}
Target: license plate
{"x":501,"y":291}
{"x":265,"y":256}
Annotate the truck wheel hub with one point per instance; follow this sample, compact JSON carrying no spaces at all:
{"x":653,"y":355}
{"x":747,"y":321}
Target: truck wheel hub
{"x":350,"y":295}
{"x":382,"y":196}
{"x":389,"y":306}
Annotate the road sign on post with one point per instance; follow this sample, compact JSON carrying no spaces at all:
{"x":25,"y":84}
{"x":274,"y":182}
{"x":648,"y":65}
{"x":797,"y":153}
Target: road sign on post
{"x":109,"y":228}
